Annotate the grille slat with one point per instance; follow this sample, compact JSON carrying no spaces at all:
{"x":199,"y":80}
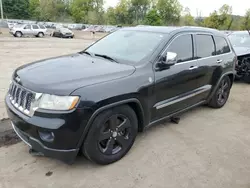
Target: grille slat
{"x":20,"y":97}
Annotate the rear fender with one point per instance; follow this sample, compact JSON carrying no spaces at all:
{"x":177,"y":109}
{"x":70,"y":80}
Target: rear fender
{"x":231,"y":73}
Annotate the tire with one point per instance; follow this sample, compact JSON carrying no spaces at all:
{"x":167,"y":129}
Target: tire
{"x":40,"y":35}
{"x":18,"y":34}
{"x":221,"y":94}
{"x":246,"y":78}
{"x":106,"y":143}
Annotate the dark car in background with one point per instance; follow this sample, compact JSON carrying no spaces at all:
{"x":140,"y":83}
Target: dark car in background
{"x":62,"y":32}
{"x":241,"y":44}
{"x":96,"y":101}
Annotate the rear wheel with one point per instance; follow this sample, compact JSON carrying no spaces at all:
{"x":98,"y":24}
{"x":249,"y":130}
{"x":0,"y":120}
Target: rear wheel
{"x":111,"y":136}
{"x":40,"y":34}
{"x":222,"y":93}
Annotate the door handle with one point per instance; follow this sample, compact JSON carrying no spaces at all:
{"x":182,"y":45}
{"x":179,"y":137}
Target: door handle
{"x":219,"y":61}
{"x":193,"y":67}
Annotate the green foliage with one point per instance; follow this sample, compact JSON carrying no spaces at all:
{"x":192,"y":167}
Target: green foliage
{"x":16,"y":9}
{"x":34,"y":9}
{"x":110,"y":16}
{"x":246,"y":21}
{"x":169,"y":11}
{"x":48,"y":10}
{"x":153,"y":18}
{"x":122,"y":12}
{"x":79,"y":10}
{"x":221,"y":19}
{"x":237,"y":22}
{"x":126,"y":12}
{"x":139,"y":9}
{"x":187,"y":19}
{"x":212,"y":21}
{"x":87,"y":11}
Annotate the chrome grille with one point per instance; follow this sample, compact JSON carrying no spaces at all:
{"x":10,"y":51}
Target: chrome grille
{"x":21,"y":98}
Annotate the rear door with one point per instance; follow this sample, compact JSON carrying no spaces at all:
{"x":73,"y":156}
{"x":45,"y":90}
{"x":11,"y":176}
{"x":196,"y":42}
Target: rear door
{"x":205,"y":54}
{"x":224,"y":56}
{"x":210,"y":53}
{"x":35,"y":29}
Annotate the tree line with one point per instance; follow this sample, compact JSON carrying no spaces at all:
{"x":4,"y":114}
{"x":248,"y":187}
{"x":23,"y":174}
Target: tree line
{"x":126,"y":12}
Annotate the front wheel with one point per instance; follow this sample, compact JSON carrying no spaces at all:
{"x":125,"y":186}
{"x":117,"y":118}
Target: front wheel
{"x":221,"y":94}
{"x":18,"y":34}
{"x":111,"y":135}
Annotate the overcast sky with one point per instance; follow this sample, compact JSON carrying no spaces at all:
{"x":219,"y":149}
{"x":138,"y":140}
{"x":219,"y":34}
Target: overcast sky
{"x":206,"y":6}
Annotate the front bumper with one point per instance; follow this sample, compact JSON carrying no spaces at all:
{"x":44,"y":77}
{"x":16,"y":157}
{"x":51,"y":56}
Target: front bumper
{"x":67,"y":156}
{"x":67,"y":129}
{"x":68,"y":35}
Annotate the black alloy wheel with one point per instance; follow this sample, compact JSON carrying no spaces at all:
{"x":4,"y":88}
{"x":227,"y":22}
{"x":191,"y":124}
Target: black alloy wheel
{"x":111,"y":135}
{"x":114,"y":135}
{"x":221,"y":95}
{"x":223,"y":92}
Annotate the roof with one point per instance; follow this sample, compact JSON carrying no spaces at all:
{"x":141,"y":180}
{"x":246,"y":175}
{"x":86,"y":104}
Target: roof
{"x":170,"y":29}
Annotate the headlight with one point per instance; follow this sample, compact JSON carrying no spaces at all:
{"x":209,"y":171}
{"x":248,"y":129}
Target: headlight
{"x":53,"y":102}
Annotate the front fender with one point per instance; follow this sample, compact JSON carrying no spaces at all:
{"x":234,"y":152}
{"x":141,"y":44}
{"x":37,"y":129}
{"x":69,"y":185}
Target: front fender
{"x":99,"y":110}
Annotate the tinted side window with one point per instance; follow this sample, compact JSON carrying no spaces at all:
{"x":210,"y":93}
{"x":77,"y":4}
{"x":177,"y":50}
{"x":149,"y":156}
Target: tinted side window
{"x":205,"y":46}
{"x":27,"y":27}
{"x":221,"y":45}
{"x":183,"y":46}
{"x":35,"y":27}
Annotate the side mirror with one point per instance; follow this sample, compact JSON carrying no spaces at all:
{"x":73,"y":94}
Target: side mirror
{"x":170,"y":59}
{"x":166,"y":61}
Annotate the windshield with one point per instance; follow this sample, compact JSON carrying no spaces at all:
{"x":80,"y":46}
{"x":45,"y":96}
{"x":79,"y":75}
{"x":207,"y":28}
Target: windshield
{"x":240,"y":40}
{"x":127,"y":45}
{"x":65,"y":30}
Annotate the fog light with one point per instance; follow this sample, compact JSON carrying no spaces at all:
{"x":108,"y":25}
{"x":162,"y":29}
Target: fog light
{"x":46,"y":136}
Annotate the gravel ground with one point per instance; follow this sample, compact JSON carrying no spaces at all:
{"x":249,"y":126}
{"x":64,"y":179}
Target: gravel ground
{"x":207,"y":149}
{"x":15,"y":52}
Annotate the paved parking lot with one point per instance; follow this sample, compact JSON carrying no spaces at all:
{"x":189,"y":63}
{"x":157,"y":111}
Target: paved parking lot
{"x":207,"y":149}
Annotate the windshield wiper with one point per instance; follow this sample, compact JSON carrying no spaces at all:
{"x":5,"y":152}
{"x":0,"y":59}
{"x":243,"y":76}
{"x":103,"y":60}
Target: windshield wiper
{"x":106,"y":57}
{"x":85,"y":52}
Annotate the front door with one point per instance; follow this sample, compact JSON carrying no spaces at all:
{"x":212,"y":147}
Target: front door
{"x":27,"y":30}
{"x":177,"y":87}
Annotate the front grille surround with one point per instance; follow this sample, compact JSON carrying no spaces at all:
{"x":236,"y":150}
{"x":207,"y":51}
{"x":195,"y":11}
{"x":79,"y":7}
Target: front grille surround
{"x":22,"y":98}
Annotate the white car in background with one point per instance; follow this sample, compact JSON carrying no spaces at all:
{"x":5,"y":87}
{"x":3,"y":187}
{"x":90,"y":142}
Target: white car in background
{"x":20,"y":30}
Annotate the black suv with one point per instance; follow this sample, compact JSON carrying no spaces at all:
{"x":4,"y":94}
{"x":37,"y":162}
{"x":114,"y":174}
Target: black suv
{"x":96,"y":101}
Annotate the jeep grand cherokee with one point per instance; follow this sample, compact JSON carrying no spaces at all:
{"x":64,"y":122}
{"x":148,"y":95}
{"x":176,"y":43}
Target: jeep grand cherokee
{"x":97,"y":100}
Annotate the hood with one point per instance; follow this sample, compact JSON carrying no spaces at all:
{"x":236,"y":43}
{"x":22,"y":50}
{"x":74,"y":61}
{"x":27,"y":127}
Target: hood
{"x":241,"y":50}
{"x":62,"y":75}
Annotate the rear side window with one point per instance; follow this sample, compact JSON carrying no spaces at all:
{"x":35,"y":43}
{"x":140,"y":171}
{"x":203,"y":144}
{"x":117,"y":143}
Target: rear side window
{"x":183,"y":46}
{"x":222,"y":46}
{"x":205,"y":46}
{"x":42,"y":27}
{"x":35,"y":27}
